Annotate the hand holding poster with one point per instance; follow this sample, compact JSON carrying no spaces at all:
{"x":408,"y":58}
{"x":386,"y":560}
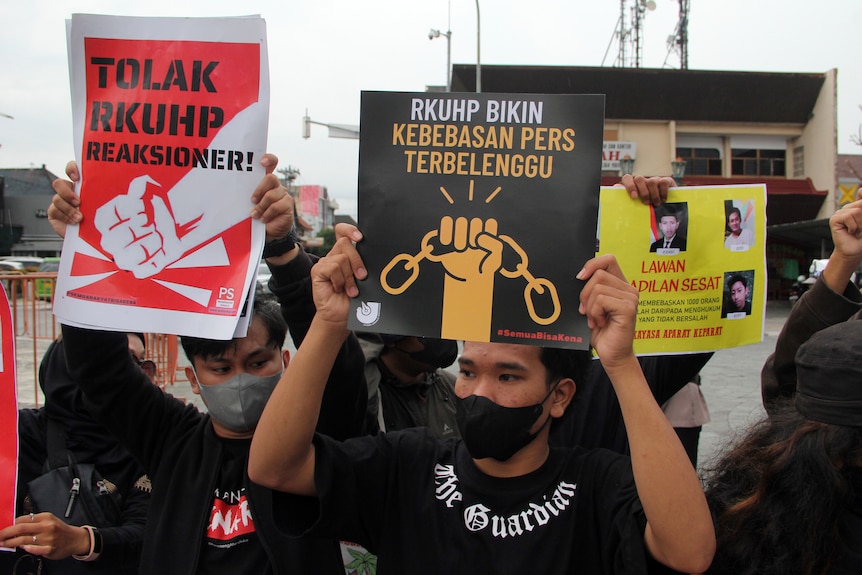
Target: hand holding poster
{"x":697,"y":260}
{"x":170,"y":118}
{"x":478,"y":211}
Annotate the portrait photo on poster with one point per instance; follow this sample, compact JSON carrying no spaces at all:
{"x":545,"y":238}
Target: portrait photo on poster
{"x":668,"y":228}
{"x":739,"y":225}
{"x":737,"y":294}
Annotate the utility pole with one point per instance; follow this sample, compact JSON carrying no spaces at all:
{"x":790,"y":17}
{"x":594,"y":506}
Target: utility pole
{"x":683,"y":34}
{"x":677,"y":43}
{"x":288,"y":175}
{"x":630,"y":36}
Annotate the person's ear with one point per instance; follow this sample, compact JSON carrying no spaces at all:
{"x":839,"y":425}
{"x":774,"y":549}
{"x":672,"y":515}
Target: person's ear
{"x":562,"y":396}
{"x":193,"y":380}
{"x":285,"y":357}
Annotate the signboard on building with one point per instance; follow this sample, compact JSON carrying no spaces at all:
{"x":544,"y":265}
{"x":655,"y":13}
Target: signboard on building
{"x":310,"y":199}
{"x":613,"y":152}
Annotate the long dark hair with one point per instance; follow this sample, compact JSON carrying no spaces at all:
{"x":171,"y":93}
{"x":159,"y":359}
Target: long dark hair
{"x":777,"y":495}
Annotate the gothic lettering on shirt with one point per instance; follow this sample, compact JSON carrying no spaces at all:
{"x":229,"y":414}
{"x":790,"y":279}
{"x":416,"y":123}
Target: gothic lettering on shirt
{"x":478,"y":517}
{"x":447,"y":484}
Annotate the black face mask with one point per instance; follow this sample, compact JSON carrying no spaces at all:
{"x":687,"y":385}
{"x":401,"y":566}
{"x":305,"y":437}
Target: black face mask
{"x":437,"y":353}
{"x":491,"y":430}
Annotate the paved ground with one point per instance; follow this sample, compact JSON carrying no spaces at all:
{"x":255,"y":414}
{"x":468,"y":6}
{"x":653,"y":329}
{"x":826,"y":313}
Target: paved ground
{"x":731,"y":382}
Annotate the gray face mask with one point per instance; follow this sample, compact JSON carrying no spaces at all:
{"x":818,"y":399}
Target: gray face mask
{"x":238,"y":402}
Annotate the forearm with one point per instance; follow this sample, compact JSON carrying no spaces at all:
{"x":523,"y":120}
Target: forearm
{"x":679,"y":526}
{"x":345,"y":401}
{"x":282,"y":454}
{"x":839,"y":271}
{"x":818,"y":308}
{"x":122,"y":545}
{"x":291,"y":284}
{"x":120,"y":396}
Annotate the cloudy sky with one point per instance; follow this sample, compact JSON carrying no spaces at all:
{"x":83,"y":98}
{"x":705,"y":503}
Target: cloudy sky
{"x":324,"y":52}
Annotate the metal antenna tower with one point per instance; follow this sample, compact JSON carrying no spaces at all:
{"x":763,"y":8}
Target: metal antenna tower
{"x":677,"y":43}
{"x":629,"y":33}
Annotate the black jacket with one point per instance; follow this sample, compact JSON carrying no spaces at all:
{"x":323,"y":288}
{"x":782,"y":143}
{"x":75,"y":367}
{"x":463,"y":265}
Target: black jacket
{"x":817,"y":309}
{"x":594,"y":418}
{"x":89,"y":442}
{"x":181,"y":452}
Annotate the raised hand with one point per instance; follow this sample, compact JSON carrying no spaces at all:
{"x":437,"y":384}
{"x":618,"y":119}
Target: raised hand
{"x":334,"y":277}
{"x":651,"y":190}
{"x":610,"y":304}
{"x":846,"y":226}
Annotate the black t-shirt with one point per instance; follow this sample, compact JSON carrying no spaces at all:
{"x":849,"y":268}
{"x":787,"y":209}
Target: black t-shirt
{"x":230,"y":544}
{"x":422,"y":506}
{"x":594,"y":418}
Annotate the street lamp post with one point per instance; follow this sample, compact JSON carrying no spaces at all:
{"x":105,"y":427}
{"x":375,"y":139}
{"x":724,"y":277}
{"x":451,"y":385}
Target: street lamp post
{"x":627,"y":165}
{"x":478,"y":52}
{"x":347,"y":131}
{"x":434,"y":33}
{"x":678,"y":169}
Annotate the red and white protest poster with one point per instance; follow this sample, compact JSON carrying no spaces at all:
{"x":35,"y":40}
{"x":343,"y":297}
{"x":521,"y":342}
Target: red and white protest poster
{"x":170,"y":121}
{"x":8,"y":416}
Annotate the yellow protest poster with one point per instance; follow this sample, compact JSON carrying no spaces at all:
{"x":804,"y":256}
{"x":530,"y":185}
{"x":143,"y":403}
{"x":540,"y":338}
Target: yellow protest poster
{"x":698,"y":261}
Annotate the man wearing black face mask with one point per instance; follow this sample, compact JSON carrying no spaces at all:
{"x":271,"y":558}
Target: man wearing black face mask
{"x":499,"y":500}
{"x":407,"y":383}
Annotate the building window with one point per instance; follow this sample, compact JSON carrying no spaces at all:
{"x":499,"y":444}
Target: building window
{"x":754,"y":162}
{"x":798,"y":161}
{"x":700,"y":161}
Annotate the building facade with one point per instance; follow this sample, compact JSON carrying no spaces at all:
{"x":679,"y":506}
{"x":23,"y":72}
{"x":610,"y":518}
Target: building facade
{"x":315,"y":212}
{"x":24,"y":230}
{"x":728,"y":127}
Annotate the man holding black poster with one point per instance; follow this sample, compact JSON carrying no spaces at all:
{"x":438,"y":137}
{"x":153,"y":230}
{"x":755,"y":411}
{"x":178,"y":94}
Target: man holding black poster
{"x":500,"y":497}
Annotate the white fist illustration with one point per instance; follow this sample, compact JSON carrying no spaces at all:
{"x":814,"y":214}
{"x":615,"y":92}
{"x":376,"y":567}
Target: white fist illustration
{"x":139,"y":231}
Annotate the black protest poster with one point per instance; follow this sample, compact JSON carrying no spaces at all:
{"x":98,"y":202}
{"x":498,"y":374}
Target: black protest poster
{"x":478,"y":211}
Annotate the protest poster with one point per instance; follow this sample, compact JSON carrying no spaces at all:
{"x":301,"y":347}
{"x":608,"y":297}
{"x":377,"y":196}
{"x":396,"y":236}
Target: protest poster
{"x":170,"y":121}
{"x":698,"y":261}
{"x":478,"y":211}
{"x":8,"y":417}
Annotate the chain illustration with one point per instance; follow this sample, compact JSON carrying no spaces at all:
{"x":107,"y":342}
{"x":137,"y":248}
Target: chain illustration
{"x":534,"y":284}
{"x":539,"y":286}
{"x":411,"y":264}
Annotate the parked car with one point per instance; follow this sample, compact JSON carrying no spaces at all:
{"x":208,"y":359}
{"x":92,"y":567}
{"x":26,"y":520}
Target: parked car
{"x":30,"y":263}
{"x":7,"y":266}
{"x":815,"y":270}
{"x":263,"y":275}
{"x":44,"y":288}
{"x":11,"y":268}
